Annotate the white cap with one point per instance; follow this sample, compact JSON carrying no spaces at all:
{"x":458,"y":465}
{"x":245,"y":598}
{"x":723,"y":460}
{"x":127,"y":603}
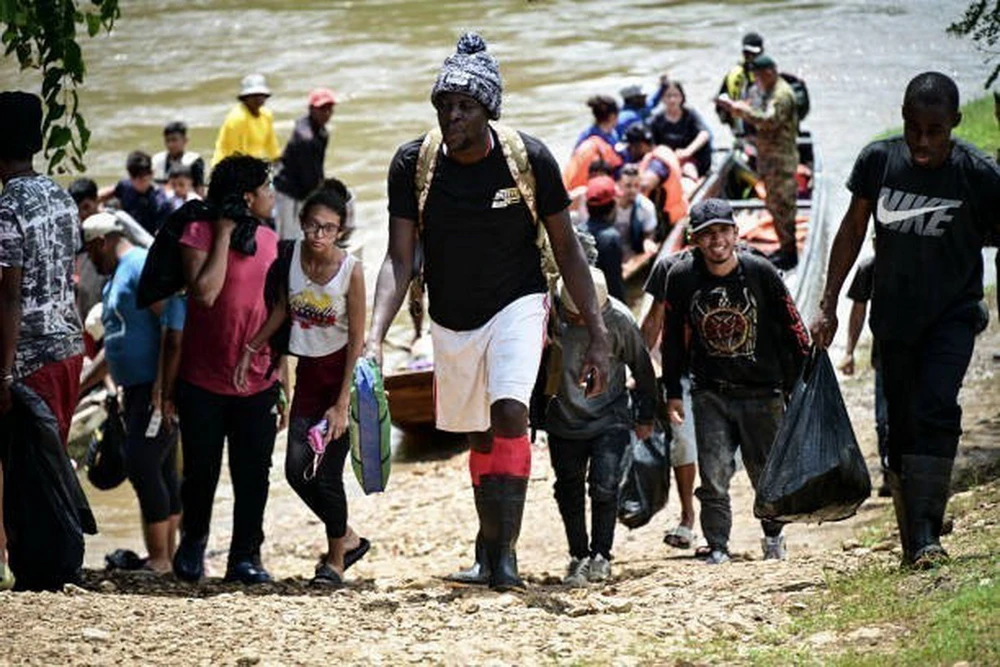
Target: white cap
{"x":254,"y":84}
{"x":600,"y":287}
{"x":100,"y":225}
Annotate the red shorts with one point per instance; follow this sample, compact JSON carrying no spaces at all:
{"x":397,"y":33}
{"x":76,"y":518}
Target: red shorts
{"x":58,"y":384}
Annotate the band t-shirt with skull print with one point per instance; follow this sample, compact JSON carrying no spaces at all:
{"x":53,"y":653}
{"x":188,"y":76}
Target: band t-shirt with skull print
{"x":930,"y":228}
{"x":740,"y":331}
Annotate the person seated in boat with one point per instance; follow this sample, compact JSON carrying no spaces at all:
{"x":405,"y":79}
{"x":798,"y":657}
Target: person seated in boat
{"x":659,"y":173}
{"x":578,"y":195}
{"x":684,"y":130}
{"x":602,"y":195}
{"x":596,"y":143}
{"x":736,"y":84}
{"x":635,"y":106}
{"x":588,"y":436}
{"x":635,"y":215}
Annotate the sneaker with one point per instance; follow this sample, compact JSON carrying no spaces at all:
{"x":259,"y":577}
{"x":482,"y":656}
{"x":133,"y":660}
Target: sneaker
{"x":6,"y":577}
{"x":774,"y":548}
{"x":576,"y":572}
{"x":599,"y":569}
{"x":717,"y":557}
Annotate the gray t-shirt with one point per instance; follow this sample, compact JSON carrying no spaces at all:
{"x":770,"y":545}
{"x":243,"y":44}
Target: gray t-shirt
{"x":40,"y":233}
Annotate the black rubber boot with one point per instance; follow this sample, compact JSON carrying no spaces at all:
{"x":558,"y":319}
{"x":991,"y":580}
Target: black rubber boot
{"x":507,"y":495}
{"x":926,"y":482}
{"x":895,"y":483}
{"x":479,"y":573}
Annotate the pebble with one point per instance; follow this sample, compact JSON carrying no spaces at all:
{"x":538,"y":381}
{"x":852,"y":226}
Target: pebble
{"x":470,"y":607}
{"x":107,"y":586}
{"x":73,"y":589}
{"x":96,"y":635}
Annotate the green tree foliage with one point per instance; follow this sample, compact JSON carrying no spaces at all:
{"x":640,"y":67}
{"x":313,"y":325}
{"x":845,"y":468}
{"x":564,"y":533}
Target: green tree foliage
{"x":42,"y":35}
{"x":981,"y":22}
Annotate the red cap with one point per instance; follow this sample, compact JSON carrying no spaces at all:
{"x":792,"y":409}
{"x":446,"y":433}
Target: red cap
{"x":321,"y":97}
{"x":601,"y":190}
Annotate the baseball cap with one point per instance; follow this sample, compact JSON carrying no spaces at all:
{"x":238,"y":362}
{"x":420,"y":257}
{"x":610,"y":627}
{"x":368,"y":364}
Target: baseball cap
{"x":753,"y":43}
{"x":254,"y":84}
{"x":710,"y":212}
{"x":763,"y":62}
{"x":100,"y":225}
{"x":632,"y":90}
{"x":601,"y":190}
{"x":320,"y":97}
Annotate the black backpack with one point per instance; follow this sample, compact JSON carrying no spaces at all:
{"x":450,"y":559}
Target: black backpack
{"x":801,"y":93}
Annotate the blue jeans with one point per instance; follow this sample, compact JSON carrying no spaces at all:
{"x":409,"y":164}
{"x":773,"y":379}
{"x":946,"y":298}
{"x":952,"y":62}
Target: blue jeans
{"x":569,"y":461}
{"x":723,"y":423}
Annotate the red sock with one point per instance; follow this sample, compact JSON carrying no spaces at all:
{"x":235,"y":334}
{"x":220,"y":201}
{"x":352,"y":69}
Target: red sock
{"x":509,"y":456}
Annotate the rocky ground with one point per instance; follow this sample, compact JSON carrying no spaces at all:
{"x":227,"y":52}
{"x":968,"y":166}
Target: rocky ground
{"x":660,"y":605}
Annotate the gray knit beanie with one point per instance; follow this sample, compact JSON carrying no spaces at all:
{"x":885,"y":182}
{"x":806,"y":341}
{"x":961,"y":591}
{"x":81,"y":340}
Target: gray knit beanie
{"x":473,"y":72}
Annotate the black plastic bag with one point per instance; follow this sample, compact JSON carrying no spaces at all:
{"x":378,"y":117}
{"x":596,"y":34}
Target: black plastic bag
{"x":645,"y":479}
{"x":815,"y":471}
{"x":45,"y":510}
{"x":105,"y":460}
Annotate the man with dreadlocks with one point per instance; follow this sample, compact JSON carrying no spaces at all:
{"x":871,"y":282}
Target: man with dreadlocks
{"x":936,"y":201}
{"x":474,"y":195}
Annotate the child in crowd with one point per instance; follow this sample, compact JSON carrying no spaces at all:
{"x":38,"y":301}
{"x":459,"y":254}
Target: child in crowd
{"x":594,"y":431}
{"x":180,"y":186}
{"x":316,"y":295}
{"x":138,"y":195}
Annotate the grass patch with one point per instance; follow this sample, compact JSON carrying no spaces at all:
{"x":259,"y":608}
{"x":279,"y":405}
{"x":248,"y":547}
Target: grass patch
{"x":978,"y":127}
{"x":881,"y":615}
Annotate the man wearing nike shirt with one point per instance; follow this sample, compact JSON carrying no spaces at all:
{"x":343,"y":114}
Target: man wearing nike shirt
{"x":936,"y":201}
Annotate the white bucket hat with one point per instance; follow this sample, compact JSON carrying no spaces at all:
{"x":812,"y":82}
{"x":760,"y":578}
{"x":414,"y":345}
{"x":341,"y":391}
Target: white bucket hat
{"x":254,"y":84}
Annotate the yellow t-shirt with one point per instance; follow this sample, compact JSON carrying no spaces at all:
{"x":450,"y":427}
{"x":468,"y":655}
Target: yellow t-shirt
{"x":242,"y":132}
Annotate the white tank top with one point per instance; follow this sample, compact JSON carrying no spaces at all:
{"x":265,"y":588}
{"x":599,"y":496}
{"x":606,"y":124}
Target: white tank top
{"x":318,"y":312}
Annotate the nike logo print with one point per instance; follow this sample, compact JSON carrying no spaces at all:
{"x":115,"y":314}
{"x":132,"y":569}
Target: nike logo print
{"x":908,"y":213}
{"x":888,"y":217}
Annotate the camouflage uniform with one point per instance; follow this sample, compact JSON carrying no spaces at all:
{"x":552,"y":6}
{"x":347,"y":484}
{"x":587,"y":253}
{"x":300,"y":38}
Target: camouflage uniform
{"x":775,"y":116}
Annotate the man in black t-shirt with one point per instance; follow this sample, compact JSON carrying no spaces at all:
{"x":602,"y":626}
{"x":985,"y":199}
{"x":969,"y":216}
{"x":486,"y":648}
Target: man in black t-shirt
{"x":487,"y":294}
{"x":935,"y":201}
{"x":729,"y":315}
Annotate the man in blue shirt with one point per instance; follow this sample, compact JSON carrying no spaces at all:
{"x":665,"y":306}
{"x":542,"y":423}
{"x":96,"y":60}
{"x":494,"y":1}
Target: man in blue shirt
{"x":141,"y":350}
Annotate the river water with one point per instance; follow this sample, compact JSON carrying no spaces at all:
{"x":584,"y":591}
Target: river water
{"x":183,"y":59}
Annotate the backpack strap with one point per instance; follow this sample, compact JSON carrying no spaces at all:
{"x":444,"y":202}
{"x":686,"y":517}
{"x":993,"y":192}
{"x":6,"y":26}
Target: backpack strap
{"x":516,"y":155}
{"x":426,"y":163}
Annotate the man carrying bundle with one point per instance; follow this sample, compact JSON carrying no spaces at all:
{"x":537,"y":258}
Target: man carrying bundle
{"x":474,"y":195}
{"x":935,"y":201}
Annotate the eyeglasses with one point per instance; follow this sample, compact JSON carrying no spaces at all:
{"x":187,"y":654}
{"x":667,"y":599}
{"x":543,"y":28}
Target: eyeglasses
{"x":313,"y":228}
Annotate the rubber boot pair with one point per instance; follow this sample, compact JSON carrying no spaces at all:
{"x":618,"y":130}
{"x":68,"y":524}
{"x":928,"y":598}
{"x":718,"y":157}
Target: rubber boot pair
{"x":920,"y":496}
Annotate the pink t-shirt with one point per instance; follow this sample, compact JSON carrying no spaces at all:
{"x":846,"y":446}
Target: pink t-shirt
{"x":214,"y":337}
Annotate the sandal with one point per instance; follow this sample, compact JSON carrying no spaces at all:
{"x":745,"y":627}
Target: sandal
{"x":326,"y":577}
{"x":680,"y":537}
{"x":704,"y":551}
{"x":352,"y":556}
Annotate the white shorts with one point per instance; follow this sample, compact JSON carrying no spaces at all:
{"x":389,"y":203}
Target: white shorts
{"x":683,"y":445}
{"x":499,"y":360}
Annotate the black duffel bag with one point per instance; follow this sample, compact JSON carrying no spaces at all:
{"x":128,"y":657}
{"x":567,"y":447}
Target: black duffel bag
{"x":645,"y":479}
{"x":815,"y":471}
{"x":105,"y":461}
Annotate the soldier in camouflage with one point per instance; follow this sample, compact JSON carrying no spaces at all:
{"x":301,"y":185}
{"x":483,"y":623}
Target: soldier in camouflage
{"x":772,"y":110}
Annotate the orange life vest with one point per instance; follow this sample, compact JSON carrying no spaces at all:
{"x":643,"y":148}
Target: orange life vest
{"x":591,"y":149}
{"x":674,"y":203}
